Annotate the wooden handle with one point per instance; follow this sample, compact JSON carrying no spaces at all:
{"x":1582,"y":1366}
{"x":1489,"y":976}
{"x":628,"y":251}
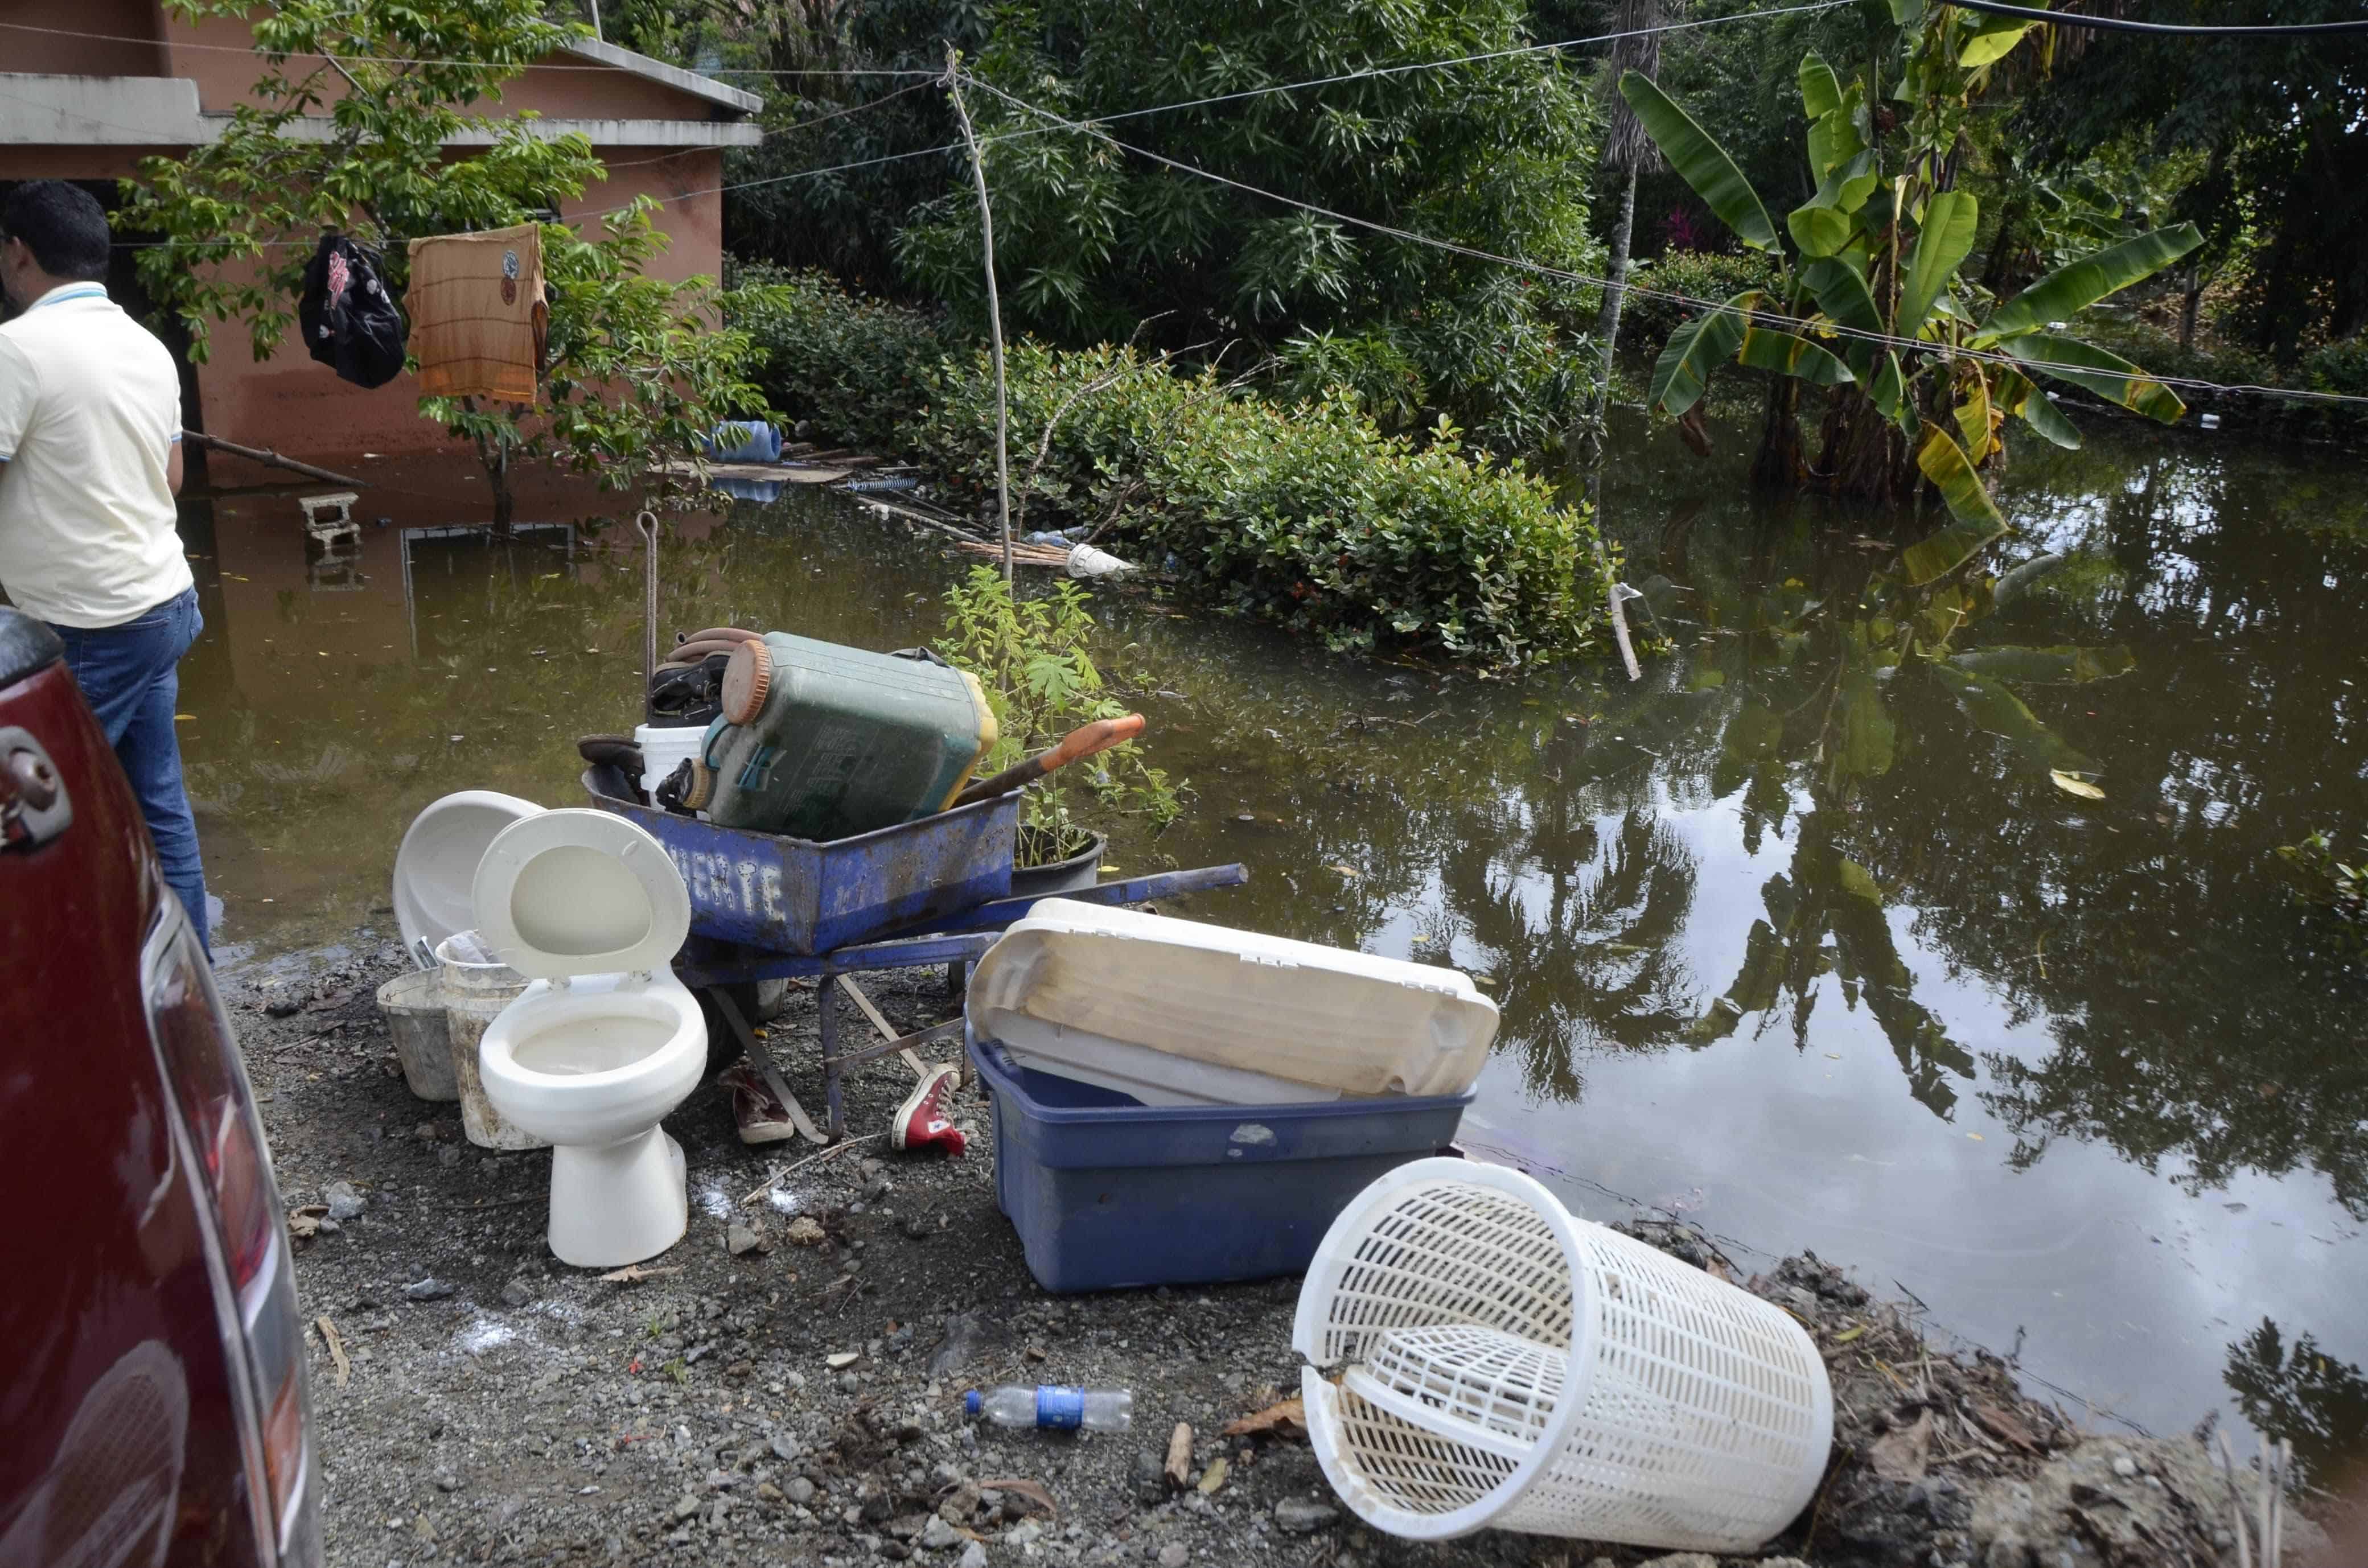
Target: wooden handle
{"x":1084,"y":741}
{"x":1087,"y":740}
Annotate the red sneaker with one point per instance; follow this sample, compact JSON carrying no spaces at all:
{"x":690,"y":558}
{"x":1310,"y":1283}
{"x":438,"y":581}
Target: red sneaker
{"x":756,"y":1109}
{"x":926,"y":1119}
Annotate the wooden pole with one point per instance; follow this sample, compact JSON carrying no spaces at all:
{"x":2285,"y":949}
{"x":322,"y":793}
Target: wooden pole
{"x":993,"y":310}
{"x":271,"y":458}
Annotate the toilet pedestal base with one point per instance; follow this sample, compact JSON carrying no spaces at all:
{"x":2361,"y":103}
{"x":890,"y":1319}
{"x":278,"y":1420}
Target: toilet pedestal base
{"x":619,"y":1204}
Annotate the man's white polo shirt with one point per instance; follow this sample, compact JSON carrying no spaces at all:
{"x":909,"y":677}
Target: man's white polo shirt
{"x":90,"y":405}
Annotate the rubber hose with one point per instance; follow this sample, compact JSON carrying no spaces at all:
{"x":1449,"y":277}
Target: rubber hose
{"x":690,"y":653}
{"x":727,"y":634}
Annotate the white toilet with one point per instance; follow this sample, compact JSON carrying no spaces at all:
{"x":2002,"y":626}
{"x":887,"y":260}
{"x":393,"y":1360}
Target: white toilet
{"x":605,"y":1041}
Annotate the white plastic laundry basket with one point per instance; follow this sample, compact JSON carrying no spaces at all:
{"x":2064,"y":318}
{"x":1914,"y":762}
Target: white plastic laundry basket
{"x":1477,"y":1357}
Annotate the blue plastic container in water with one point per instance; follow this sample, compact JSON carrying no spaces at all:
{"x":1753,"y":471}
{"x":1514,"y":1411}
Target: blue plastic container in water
{"x":745,"y":441}
{"x":1108,"y":1192}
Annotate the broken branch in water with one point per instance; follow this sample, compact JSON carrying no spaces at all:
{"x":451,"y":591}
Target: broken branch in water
{"x":271,"y":458}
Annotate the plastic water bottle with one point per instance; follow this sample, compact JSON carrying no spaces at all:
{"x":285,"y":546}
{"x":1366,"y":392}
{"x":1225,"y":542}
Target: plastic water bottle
{"x":1053,"y":1408}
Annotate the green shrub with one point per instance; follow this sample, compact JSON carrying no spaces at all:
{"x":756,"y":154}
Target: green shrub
{"x":850,"y":365}
{"x":1032,"y":656}
{"x":1306,"y":514}
{"x":1646,"y":321}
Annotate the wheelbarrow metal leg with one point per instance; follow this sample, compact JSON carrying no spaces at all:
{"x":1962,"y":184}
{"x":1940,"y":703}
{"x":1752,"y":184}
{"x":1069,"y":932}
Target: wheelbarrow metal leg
{"x":826,"y":1008}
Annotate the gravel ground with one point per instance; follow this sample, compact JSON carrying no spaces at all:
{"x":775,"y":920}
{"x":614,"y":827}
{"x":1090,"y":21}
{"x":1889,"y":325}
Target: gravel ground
{"x":801,"y":1403}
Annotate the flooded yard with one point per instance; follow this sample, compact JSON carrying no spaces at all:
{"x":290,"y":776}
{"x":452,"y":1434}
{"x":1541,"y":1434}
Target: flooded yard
{"x":1807,"y":948}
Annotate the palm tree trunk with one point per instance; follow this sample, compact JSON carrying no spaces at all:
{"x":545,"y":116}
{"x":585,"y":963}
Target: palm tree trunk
{"x":1607,"y":317}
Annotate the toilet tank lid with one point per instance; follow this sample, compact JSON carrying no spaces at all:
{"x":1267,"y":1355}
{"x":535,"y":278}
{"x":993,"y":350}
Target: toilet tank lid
{"x":577,"y":892}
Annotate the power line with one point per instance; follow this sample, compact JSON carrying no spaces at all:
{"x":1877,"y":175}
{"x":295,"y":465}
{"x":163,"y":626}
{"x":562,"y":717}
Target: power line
{"x":1821,"y":328}
{"x":1379,"y":70}
{"x":2167,"y":29}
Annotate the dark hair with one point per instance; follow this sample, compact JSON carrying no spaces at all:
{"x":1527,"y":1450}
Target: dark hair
{"x":63,"y":224}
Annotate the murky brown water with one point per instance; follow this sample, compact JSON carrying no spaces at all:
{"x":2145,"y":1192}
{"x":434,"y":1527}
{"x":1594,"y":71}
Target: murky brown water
{"x":1806,"y":948}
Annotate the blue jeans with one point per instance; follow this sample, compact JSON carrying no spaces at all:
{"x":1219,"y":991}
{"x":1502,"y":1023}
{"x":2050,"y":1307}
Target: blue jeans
{"x":129,"y":676}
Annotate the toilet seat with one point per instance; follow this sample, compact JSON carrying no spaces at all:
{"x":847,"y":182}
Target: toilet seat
{"x":605,"y":1041}
{"x":577,"y":891}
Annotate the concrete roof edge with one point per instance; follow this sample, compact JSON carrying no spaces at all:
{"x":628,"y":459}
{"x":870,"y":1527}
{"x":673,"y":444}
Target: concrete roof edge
{"x":691,"y":82}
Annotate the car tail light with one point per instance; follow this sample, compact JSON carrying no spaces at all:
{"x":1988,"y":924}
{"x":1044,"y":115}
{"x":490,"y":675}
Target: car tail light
{"x":226,"y":1136}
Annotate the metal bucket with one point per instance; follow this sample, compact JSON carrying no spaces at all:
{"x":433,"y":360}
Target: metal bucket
{"x":474,"y":995}
{"x":414,"y":1005}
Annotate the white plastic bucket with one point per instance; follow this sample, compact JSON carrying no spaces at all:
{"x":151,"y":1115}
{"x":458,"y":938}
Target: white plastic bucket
{"x":414,"y":1005}
{"x":475,"y":990}
{"x":664,"y":748}
{"x":1085,"y":561}
{"x":1502,"y":1364}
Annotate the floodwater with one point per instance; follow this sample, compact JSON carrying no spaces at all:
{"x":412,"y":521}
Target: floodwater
{"x":1806,"y":948}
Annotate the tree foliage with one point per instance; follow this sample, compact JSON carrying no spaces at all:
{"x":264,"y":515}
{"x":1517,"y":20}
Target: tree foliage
{"x":347,"y":130}
{"x":2280,"y":126}
{"x":1094,"y":243}
{"x":1874,"y":271}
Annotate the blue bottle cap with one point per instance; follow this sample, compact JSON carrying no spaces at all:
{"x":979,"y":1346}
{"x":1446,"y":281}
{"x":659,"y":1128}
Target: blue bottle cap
{"x":971,"y":1403}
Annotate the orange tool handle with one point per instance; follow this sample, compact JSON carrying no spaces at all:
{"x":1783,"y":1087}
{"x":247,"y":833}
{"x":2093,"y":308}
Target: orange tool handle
{"x":1085,"y":741}
{"x":1088,"y":740}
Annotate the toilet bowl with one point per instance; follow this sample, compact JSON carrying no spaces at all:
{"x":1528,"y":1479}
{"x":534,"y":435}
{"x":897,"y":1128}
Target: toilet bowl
{"x":604,"y":1041}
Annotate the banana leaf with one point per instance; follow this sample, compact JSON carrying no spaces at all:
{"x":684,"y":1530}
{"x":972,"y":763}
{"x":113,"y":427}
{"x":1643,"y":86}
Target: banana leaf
{"x":1765,"y":349}
{"x":2018,"y":395}
{"x":1701,"y":162}
{"x":2043,"y":416}
{"x":1888,"y":390}
{"x":1821,"y":90}
{"x":1992,"y":41}
{"x":1682,"y":372}
{"x":1848,"y":184}
{"x":1993,"y":708}
{"x":2074,"y":287}
{"x":1950,"y":219}
{"x":2048,"y":666}
{"x":1973,"y":417}
{"x":2107,"y":374}
{"x":1819,"y":230}
{"x":1977,"y":520}
{"x":1842,"y":293}
{"x":1833,"y":140}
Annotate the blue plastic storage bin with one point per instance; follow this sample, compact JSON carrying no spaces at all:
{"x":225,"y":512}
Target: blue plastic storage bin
{"x":1108,"y":1192}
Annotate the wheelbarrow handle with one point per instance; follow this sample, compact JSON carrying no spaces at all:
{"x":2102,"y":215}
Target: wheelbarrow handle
{"x":1087,"y":740}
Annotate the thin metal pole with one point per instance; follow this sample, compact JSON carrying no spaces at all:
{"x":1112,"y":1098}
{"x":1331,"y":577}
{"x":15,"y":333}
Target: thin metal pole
{"x":647,"y":524}
{"x":596,"y":19}
{"x":994,"y":310}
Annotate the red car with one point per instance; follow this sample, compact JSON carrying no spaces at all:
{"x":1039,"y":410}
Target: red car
{"x":154,"y":1405}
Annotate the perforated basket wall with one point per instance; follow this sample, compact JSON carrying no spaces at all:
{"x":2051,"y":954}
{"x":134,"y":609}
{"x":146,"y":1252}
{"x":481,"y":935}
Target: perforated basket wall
{"x":1477,"y":1357}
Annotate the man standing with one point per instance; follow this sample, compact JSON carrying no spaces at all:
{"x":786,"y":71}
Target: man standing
{"x":90,"y":460}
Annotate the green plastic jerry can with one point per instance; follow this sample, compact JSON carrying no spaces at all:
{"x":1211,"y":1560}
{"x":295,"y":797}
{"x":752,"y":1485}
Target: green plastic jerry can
{"x":819,"y":740}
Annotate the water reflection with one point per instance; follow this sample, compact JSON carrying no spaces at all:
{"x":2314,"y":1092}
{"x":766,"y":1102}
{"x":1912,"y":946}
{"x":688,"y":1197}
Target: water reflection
{"x":2294,"y":1390}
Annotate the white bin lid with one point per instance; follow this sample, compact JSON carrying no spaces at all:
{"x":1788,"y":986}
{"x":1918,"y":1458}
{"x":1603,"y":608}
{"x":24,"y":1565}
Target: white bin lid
{"x":437,"y":867}
{"x":1072,"y":980}
{"x":579,"y":891}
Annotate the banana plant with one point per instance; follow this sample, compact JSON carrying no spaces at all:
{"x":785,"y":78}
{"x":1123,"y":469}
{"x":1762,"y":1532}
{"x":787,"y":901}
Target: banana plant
{"x":1923,"y":369}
